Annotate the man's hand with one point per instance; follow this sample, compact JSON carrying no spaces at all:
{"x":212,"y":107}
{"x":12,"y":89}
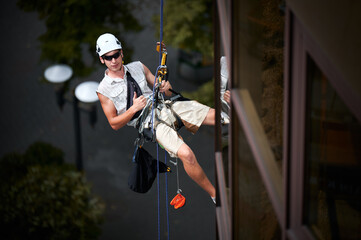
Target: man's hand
{"x":139,"y":102}
{"x":227,"y":96}
{"x":163,"y":47}
{"x":164,"y":86}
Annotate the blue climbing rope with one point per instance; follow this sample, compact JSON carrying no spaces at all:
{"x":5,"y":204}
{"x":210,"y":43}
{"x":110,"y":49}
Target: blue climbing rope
{"x":161,"y":31}
{"x":165,"y":154}
{"x":158,"y":190}
{"x":154,"y":97}
{"x":166,"y":194}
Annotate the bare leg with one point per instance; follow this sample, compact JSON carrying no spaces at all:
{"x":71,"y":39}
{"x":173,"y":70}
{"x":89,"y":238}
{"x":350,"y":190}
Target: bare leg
{"x":194,"y":170}
{"x":210,"y":118}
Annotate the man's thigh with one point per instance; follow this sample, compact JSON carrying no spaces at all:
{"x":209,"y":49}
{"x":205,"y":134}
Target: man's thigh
{"x":168,"y":138}
{"x":192,"y":114}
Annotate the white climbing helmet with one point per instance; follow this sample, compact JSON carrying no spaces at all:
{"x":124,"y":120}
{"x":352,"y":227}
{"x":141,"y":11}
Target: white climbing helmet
{"x":107,"y":42}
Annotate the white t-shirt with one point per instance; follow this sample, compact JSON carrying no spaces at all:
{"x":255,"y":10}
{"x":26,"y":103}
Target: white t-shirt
{"x":116,"y":88}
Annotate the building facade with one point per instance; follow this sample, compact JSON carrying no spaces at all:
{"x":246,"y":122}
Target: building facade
{"x":291,"y":166}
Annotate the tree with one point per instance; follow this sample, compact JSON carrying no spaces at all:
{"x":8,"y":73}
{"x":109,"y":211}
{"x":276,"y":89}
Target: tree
{"x":41,"y":197}
{"x":204,"y":94}
{"x":74,"y":25}
{"x":187,"y":24}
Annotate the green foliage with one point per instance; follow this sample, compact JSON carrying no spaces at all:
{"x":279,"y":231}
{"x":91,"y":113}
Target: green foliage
{"x":74,"y":25}
{"x":44,"y":198}
{"x":204,"y":94}
{"x":187,"y":24}
{"x":44,"y":154}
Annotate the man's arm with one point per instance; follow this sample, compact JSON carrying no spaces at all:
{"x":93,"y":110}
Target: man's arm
{"x":119,"y":121}
{"x":164,"y":87}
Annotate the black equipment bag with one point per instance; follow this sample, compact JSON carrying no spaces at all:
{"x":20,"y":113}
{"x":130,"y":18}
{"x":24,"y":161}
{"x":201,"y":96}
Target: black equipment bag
{"x":144,"y":171}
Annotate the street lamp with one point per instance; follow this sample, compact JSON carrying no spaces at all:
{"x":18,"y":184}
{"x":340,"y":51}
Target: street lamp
{"x":58,"y":73}
{"x":84,"y":92}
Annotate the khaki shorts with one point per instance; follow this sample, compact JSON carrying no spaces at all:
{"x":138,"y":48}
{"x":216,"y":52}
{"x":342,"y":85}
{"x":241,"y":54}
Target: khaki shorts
{"x":192,"y":115}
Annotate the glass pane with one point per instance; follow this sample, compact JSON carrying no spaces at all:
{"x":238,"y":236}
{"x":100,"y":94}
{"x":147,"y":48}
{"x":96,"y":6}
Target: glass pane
{"x":258,"y":27}
{"x":332,"y":200}
{"x":256,"y":218}
{"x":258,"y":31}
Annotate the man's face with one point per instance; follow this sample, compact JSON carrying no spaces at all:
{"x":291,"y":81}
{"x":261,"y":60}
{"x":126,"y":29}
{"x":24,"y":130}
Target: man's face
{"x":113,"y":59}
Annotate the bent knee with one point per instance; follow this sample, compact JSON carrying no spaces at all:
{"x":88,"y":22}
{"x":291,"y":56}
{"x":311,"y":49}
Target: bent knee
{"x":186,"y":155}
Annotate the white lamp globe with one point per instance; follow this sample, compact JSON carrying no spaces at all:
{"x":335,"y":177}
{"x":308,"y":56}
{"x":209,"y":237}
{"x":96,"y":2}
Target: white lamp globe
{"x":58,"y":73}
{"x":86,"y":92}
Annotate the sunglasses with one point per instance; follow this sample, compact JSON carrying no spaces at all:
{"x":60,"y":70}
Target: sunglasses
{"x":109,"y":58}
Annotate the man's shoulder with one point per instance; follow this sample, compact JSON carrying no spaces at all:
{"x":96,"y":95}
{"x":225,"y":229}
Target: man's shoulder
{"x":105,"y":80}
{"x":134,"y":63}
{"x":135,"y":66}
{"x":105,"y":84}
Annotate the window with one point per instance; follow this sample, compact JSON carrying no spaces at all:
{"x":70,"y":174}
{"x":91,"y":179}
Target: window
{"x":257,"y":118}
{"x":332,"y":181}
{"x":323,"y":178}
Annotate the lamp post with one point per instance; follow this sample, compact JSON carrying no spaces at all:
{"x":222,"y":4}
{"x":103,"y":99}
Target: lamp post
{"x":84,"y":92}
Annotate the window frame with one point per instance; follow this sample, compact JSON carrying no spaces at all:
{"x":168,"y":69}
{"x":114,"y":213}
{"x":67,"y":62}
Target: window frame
{"x":299,"y":45}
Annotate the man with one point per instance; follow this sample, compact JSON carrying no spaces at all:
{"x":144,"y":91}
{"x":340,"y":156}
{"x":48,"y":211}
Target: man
{"x":122,"y":107}
{"x":225,"y":94}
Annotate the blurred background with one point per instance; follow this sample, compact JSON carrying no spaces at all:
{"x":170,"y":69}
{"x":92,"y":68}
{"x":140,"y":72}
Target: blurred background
{"x":38,"y":131}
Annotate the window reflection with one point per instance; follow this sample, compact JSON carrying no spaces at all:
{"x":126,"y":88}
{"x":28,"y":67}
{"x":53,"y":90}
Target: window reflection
{"x":257,"y":67}
{"x":259,"y":62}
{"x":333,"y":162}
{"x":256,"y":217}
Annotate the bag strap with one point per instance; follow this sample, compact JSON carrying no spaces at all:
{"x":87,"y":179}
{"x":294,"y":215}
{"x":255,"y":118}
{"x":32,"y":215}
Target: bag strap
{"x":132,"y":87}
